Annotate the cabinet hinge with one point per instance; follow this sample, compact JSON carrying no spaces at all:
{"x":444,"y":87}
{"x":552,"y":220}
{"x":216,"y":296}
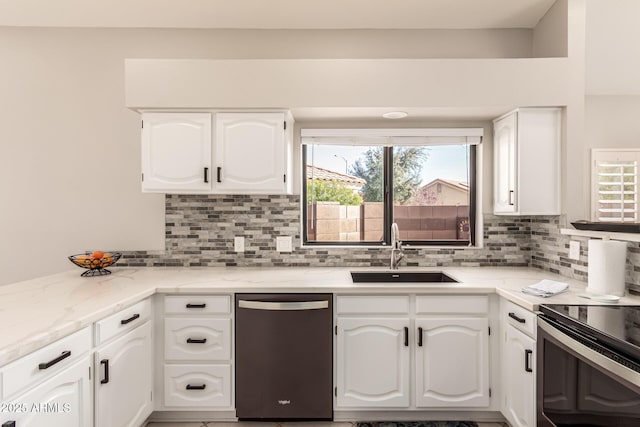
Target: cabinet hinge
{"x":489,"y":392}
{"x":285,"y":125}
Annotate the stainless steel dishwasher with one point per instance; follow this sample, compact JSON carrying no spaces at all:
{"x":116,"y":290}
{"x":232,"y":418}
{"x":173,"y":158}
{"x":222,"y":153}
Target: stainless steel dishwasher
{"x":284,"y":352}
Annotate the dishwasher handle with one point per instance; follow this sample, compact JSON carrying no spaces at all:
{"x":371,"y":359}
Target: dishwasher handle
{"x":283,"y":306}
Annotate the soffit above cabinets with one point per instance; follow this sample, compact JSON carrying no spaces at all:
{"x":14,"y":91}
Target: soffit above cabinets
{"x":272,"y":14}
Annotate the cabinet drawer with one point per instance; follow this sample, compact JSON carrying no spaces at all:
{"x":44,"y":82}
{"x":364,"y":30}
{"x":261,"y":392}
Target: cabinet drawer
{"x":452,"y":304}
{"x":197,"y":339}
{"x":123,"y":321}
{"x":197,"y":386}
{"x":520,"y":318}
{"x":43,"y":363}
{"x":194,"y":304}
{"x":378,"y":304}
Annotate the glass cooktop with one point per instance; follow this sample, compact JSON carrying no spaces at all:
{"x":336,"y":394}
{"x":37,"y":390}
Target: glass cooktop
{"x":616,"y":325}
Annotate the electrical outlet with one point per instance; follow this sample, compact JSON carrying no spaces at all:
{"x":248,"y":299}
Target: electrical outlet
{"x":574,"y":249}
{"x":238,"y":244}
{"x":284,"y":244}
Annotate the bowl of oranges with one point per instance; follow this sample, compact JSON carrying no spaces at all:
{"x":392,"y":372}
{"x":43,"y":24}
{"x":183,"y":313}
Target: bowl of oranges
{"x":95,"y":262}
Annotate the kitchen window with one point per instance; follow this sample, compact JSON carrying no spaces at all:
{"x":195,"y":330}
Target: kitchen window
{"x":357,"y":182}
{"x":614,"y":194}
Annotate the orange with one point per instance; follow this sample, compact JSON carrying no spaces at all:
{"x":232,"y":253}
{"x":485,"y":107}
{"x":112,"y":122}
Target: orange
{"x":97,"y":255}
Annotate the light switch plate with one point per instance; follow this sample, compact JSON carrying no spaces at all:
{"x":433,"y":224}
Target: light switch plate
{"x":238,"y":244}
{"x":283,"y":244}
{"x":574,"y":249}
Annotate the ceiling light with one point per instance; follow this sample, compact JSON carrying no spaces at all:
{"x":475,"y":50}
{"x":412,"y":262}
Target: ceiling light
{"x":395,"y":115}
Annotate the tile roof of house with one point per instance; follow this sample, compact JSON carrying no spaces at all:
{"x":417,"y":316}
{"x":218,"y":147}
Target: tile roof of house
{"x":457,"y":184}
{"x":328,"y":175}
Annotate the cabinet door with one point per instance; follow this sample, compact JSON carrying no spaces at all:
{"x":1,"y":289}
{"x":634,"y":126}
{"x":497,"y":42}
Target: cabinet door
{"x":373,"y":363}
{"x":505,"y":132}
{"x":65,"y":400}
{"x":250,"y":153}
{"x":123,"y":380}
{"x":452,"y":364}
{"x":518,"y":378}
{"x":176,"y":152}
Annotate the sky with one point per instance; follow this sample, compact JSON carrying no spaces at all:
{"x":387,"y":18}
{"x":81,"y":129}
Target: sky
{"x":444,"y":161}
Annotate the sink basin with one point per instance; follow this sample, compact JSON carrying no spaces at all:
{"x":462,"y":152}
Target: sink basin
{"x":401,"y":277}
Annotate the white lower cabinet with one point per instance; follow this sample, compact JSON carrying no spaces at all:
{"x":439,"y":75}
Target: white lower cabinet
{"x":198,"y":353}
{"x":439,"y":349}
{"x":519,"y":364}
{"x":202,"y":386}
{"x":123,"y":383}
{"x":64,"y":400}
{"x":373,"y":362}
{"x":519,"y":381}
{"x":452,"y":362}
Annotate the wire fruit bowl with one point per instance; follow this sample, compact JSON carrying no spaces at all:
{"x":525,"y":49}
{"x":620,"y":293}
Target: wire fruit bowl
{"x":96,"y":263}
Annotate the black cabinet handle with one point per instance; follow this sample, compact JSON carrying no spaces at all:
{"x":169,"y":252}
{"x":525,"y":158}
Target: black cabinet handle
{"x":130,"y":319}
{"x":406,"y":336}
{"x":516,"y":318}
{"x":219,"y":172}
{"x":105,"y":363}
{"x":9,"y":424}
{"x":196,"y":305}
{"x":511,"y":197}
{"x":196,"y":341}
{"x":206,"y":174}
{"x":196,"y":387}
{"x":50,"y":363}
{"x":419,"y":337}
{"x":527,"y":360}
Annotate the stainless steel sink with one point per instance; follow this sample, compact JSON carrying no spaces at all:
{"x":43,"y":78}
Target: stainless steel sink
{"x":401,"y":277}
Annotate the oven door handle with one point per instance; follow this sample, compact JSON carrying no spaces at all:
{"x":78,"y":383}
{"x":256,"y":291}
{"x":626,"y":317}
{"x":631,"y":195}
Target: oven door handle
{"x":590,"y":355}
{"x":277,"y":306}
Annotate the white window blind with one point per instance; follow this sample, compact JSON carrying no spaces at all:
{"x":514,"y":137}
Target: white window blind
{"x":393,"y":137}
{"x":615,"y":185}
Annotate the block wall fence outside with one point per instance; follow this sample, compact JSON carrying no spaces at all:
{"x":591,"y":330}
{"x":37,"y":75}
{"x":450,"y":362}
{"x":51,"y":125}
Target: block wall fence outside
{"x":200,"y":230}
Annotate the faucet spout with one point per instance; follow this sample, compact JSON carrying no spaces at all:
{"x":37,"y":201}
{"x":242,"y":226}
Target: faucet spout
{"x":396,"y":247}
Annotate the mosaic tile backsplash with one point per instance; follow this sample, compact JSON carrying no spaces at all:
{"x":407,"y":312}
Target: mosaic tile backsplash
{"x":200,"y":230}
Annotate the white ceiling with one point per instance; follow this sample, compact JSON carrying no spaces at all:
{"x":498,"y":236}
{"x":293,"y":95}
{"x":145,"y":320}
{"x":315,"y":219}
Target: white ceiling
{"x":272,"y":14}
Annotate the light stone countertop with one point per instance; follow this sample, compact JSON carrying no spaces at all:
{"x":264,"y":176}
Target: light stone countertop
{"x":36,"y":312}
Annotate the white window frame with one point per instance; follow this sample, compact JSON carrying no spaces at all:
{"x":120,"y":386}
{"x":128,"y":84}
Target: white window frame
{"x":612,"y":155}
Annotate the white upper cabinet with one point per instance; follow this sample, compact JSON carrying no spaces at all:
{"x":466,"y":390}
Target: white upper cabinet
{"x":527,"y":162}
{"x":176,"y":152}
{"x":251,"y":153}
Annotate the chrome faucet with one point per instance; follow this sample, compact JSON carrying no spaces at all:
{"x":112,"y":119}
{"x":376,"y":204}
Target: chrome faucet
{"x":396,"y":247}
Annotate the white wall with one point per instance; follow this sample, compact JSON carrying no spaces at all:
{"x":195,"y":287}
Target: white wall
{"x":612,"y":47}
{"x":550,"y":36}
{"x":69,"y":149}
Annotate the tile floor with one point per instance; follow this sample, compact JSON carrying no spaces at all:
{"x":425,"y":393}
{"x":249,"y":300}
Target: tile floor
{"x":320,"y":424}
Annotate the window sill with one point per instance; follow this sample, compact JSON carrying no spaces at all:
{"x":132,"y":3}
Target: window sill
{"x":605,"y":235}
{"x":324,"y":247}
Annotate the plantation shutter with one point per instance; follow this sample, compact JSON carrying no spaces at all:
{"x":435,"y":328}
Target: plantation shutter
{"x":615,"y":185}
